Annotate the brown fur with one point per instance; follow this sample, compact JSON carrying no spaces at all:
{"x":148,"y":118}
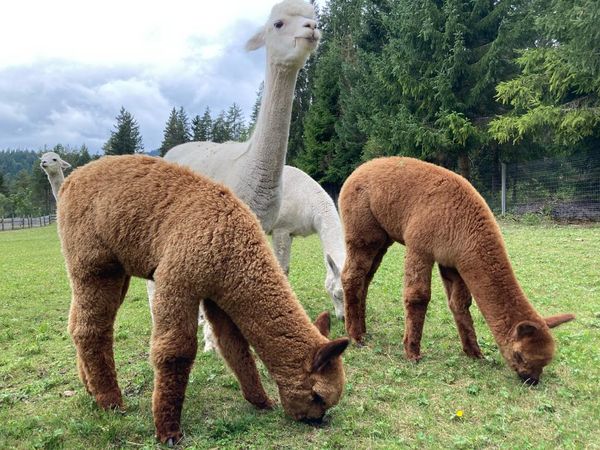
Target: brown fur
{"x":441,"y":218}
{"x":139,"y":216}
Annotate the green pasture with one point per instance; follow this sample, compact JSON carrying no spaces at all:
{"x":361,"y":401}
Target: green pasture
{"x":389,"y":402}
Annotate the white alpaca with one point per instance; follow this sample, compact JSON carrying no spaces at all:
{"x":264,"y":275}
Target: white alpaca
{"x":307,"y":209}
{"x":253,"y":169}
{"x":53,"y":165}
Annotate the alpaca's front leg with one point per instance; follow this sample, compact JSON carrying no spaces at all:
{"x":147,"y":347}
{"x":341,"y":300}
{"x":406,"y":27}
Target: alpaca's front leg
{"x":235,"y":350}
{"x":174,"y":346}
{"x":93,"y":311}
{"x":359,"y":269}
{"x":417,"y":293}
{"x":459,"y":301}
{"x":282,"y":245}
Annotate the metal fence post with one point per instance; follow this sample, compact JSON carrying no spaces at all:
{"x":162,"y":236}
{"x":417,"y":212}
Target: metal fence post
{"x":503,"y":193}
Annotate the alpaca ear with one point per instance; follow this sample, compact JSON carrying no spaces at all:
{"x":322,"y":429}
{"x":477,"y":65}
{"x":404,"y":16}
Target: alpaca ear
{"x":64,"y":164}
{"x":323,"y":323}
{"x":333,"y":266}
{"x":329,"y":351}
{"x":525,"y":328}
{"x":256,"y":41}
{"x":559,"y":319}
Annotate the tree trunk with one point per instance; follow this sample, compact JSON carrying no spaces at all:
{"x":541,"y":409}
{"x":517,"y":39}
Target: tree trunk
{"x":464,"y":165}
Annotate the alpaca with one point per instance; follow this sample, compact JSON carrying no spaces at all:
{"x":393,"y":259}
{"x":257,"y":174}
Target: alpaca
{"x":53,"y":165}
{"x":253,"y":169}
{"x":306,"y":209}
{"x":441,"y":218}
{"x":121,"y":216}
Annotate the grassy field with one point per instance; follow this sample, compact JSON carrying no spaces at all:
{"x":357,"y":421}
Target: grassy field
{"x":389,"y":402}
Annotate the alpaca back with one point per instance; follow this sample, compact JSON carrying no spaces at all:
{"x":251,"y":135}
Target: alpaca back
{"x":423,"y":206}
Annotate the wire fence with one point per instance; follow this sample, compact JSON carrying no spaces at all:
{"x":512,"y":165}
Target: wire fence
{"x":565,"y":189}
{"x":19,"y":223}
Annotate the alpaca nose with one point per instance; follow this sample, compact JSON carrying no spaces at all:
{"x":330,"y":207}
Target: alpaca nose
{"x":529,"y":379}
{"x":310,"y":24}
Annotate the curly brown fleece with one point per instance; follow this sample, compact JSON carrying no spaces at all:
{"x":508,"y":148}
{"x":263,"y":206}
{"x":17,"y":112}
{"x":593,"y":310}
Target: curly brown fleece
{"x":441,"y":218}
{"x":125,"y":216}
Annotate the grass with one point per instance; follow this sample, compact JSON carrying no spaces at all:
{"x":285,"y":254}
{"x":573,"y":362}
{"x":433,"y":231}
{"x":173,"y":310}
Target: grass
{"x":389,"y":402}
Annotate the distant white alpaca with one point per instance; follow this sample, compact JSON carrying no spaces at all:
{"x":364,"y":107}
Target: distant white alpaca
{"x":307,"y":209}
{"x":53,"y":165}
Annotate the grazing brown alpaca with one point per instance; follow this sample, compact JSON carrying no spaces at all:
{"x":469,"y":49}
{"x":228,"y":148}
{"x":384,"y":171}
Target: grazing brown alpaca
{"x":441,"y":218}
{"x":125,"y":216}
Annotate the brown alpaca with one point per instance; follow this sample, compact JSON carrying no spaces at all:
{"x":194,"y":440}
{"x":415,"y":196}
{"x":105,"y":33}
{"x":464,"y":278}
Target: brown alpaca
{"x":441,"y":218}
{"x":125,"y":216}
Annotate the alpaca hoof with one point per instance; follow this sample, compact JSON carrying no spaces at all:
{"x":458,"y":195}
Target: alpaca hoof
{"x":414,"y":357}
{"x":262,"y":402}
{"x":110,"y":400}
{"x":474,"y":353}
{"x":170,"y":438}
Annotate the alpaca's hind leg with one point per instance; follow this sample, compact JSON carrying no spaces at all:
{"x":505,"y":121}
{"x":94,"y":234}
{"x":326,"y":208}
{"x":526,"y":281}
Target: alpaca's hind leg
{"x":360,"y":267}
{"x":459,"y":301}
{"x":96,"y":300}
{"x":235,"y":350}
{"x":282,"y":245}
{"x":173,"y":349}
{"x":417,"y":293}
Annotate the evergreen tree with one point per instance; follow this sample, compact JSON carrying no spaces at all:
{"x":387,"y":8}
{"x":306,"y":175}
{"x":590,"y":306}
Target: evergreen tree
{"x":3,"y":186}
{"x":202,"y":127}
{"x":556,"y":98}
{"x":126,"y":138}
{"x":220,"y":131}
{"x":234,"y":121}
{"x":256,"y":108}
{"x":177,"y":130}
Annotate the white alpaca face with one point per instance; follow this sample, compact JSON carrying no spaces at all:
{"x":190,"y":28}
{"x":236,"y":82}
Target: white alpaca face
{"x":333,"y":286}
{"x":290,"y":34}
{"x":52,"y":163}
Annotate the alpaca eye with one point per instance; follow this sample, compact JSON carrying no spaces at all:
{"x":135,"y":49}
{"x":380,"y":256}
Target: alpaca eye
{"x":53,"y":159}
{"x":278,"y":24}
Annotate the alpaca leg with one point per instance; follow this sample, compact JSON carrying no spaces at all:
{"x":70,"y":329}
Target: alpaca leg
{"x":235,"y":350}
{"x":459,"y":301}
{"x":174,"y":345}
{"x":417,"y":293}
{"x":96,"y":300}
{"x":359,"y":269}
{"x":282,"y":244}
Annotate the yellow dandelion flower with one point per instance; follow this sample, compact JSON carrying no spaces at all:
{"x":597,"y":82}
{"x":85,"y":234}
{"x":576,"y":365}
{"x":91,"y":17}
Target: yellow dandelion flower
{"x":459,"y":413}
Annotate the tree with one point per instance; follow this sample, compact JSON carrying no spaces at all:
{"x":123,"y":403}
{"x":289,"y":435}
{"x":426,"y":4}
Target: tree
{"x":234,"y":121}
{"x":202,"y":127}
{"x":3,"y":187}
{"x":256,"y":108}
{"x":220,"y":132}
{"x":4,"y":205}
{"x":177,"y":130}
{"x":126,"y":138}
{"x":556,"y":97}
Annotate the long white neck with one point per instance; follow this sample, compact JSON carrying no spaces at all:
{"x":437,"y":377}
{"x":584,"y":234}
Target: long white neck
{"x":56,"y":181}
{"x":329,"y":228}
{"x":268,"y":144}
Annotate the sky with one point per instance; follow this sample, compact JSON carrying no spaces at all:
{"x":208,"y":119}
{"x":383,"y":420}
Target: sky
{"x":67,"y":67}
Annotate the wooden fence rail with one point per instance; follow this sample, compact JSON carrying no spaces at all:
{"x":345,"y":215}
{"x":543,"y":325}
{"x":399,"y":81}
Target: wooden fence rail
{"x":18,"y":223}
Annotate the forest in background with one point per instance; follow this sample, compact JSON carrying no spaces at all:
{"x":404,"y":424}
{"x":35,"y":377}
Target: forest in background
{"x":464,"y":84}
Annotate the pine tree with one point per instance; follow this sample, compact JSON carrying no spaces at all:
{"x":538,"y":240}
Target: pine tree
{"x":202,"y":127}
{"x":126,"y":138}
{"x":177,"y":130}
{"x":256,"y":107}
{"x":220,"y":132}
{"x":234,"y":121}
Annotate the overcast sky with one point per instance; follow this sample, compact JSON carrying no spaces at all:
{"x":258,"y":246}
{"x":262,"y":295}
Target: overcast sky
{"x":67,"y":66}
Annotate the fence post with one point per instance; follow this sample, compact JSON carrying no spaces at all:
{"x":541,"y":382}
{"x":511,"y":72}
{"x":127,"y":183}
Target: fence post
{"x":503,"y":193}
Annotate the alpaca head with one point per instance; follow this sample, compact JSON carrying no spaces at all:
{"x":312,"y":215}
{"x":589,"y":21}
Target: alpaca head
{"x":289,"y":35}
{"x":531,"y":346}
{"x":322,"y":379}
{"x":52,"y":164}
{"x":333,"y":286}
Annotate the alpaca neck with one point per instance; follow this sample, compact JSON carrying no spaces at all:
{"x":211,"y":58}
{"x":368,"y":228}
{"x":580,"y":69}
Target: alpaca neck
{"x":329,"y":228}
{"x":268,"y":144}
{"x":56,"y":181}
{"x":492,"y":282}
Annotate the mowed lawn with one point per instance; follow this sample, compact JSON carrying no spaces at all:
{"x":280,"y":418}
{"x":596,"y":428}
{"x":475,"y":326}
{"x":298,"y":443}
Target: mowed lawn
{"x":388,"y":403}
